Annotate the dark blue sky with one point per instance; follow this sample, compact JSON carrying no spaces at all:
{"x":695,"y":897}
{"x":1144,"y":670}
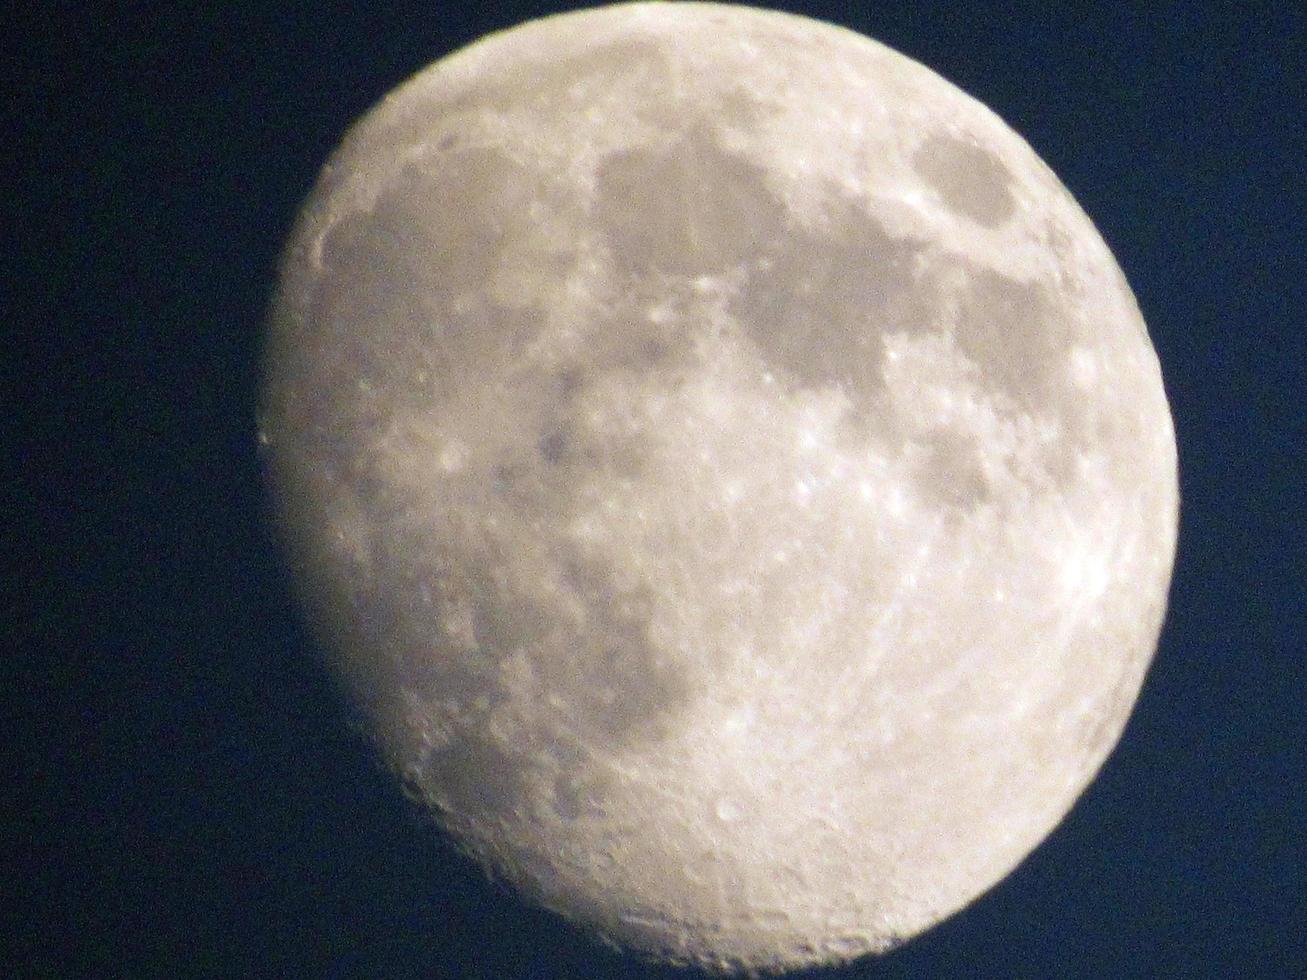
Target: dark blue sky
{"x":189,"y":800}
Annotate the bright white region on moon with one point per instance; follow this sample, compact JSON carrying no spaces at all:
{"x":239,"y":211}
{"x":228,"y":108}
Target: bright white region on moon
{"x":730,"y":472}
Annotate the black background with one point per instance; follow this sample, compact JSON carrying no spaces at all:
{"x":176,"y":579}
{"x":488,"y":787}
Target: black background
{"x":186,"y":796}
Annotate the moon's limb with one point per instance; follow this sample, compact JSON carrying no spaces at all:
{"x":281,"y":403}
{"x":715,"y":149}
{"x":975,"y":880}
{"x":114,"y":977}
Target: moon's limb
{"x":732,"y":471}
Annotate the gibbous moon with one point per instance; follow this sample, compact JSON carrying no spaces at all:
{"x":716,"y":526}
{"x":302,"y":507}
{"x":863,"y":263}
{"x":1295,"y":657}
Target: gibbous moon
{"x":732,"y":476}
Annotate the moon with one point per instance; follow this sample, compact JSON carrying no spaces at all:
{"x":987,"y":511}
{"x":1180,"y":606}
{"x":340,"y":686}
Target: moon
{"x":731,"y":475}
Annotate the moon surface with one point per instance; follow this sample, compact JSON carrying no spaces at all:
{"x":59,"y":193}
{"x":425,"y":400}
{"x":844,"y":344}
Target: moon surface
{"x":730,"y":473}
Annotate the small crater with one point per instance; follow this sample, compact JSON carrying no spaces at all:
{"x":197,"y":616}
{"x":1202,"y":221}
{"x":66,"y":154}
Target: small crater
{"x":729,"y":810}
{"x":575,"y":797}
{"x":847,"y":947}
{"x":651,"y":351}
{"x":970,"y":179}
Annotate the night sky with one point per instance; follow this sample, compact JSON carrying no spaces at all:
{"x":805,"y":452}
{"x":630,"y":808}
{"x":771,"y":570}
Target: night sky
{"x":188,"y":797}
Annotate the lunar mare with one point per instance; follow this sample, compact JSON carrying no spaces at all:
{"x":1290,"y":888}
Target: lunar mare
{"x":730,"y":472}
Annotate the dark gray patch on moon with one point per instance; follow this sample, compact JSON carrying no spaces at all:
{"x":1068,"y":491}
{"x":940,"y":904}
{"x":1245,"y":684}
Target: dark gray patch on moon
{"x":970,"y":179}
{"x":415,"y":270}
{"x":409,"y":285}
{"x":819,"y":312}
{"x":951,"y":473}
{"x":691,"y":209}
{"x":1020,"y":336}
{"x":739,"y":107}
{"x":626,"y":340}
{"x":449,"y":628}
{"x":553,"y":446}
{"x":1015,"y":332}
{"x":622,"y":685}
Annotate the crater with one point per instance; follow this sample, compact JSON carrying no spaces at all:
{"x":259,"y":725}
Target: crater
{"x":579,"y":792}
{"x":969,"y":178}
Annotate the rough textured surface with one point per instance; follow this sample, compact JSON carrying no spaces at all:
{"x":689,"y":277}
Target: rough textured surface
{"x":731,"y":472}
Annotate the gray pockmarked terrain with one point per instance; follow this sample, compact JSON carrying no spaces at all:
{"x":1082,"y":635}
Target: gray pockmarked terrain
{"x":728,"y":469}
